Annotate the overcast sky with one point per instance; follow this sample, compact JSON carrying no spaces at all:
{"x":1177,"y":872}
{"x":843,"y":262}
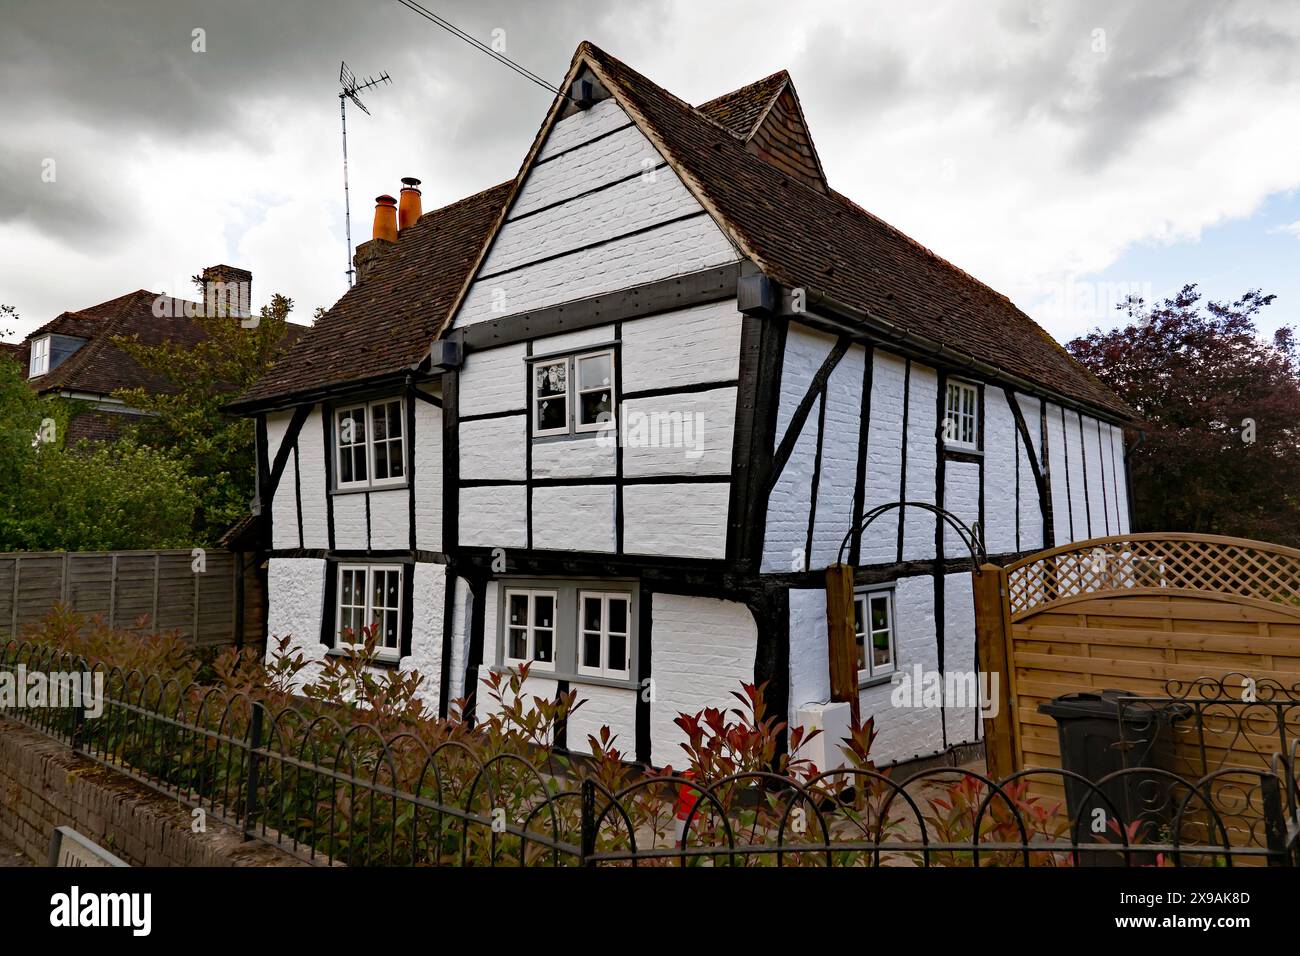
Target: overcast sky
{"x":1063,"y":152}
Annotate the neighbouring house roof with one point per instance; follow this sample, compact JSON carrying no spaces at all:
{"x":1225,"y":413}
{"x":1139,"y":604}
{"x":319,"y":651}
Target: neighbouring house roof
{"x":101,"y":366}
{"x":794,"y":231}
{"x":11,"y":349}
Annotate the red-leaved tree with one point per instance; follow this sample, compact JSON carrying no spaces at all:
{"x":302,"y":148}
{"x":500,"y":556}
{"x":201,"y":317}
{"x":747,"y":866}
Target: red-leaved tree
{"x":1221,"y":414}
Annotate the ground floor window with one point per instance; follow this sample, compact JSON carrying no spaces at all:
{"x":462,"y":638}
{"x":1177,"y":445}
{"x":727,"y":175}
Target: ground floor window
{"x":583,"y":629}
{"x":874,"y":630}
{"x":530,"y":628}
{"x":370,"y":596}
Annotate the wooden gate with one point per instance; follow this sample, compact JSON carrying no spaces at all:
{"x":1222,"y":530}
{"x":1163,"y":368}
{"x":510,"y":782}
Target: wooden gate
{"x":1151,"y":614}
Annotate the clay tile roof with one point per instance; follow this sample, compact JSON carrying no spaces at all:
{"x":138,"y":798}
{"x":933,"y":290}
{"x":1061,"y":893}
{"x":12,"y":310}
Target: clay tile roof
{"x":828,"y":244}
{"x":799,"y":236}
{"x":740,"y":110}
{"x":383,"y":325}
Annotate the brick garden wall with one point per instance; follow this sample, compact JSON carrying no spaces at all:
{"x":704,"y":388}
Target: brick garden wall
{"x":44,"y":785}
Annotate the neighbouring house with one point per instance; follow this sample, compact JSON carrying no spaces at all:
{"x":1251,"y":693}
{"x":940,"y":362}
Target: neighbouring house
{"x":75,"y":356}
{"x":615,"y":417}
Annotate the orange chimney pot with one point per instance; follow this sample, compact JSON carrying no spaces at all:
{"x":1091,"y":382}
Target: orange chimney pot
{"x":385,"y":218}
{"x":408,"y":209}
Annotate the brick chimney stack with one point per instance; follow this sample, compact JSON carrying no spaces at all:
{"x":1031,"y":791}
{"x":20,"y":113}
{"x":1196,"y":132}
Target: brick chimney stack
{"x":227,"y":291}
{"x":384,"y":237}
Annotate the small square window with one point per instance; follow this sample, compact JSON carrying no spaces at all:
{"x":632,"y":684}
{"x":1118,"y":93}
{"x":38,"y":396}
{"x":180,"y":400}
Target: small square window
{"x":370,"y":444}
{"x":573,"y":394}
{"x":961,"y":416}
{"x":874,"y":632}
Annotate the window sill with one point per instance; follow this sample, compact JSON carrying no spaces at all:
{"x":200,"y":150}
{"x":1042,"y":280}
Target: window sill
{"x":609,"y":434}
{"x":388,"y":663}
{"x":349,"y":490}
{"x":588,"y":679}
{"x":878,"y":681}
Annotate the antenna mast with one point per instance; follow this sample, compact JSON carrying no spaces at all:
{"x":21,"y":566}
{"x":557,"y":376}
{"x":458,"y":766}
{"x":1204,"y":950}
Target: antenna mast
{"x":351,"y":87}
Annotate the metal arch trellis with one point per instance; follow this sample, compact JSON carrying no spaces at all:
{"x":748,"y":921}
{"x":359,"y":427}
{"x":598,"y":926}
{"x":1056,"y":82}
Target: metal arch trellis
{"x":972,"y":538}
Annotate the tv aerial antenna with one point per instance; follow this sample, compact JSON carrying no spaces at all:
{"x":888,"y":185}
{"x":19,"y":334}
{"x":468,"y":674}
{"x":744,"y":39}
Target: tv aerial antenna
{"x":351,"y":88}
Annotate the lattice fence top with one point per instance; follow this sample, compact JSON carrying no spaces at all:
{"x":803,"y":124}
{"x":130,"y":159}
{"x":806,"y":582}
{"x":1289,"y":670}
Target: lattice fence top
{"x":1190,"y":563}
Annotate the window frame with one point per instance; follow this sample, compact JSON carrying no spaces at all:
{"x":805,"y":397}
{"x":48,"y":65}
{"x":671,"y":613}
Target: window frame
{"x":43,"y":347}
{"x":871,"y":671}
{"x":530,"y":628}
{"x":370,"y":443}
{"x":604,"y":669}
{"x":535,"y":399}
{"x":959,"y":417}
{"x":382,"y":651}
{"x":573,"y":392}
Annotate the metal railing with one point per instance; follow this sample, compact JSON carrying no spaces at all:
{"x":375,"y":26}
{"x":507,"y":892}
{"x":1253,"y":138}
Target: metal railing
{"x":320,"y":785}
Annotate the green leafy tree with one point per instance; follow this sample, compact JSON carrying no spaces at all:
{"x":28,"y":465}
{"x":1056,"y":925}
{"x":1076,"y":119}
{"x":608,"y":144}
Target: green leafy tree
{"x":89,"y":497}
{"x":218,"y":450}
{"x":1221,"y":414}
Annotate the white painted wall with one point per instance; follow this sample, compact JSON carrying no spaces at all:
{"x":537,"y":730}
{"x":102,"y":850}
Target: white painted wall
{"x":636,"y":217}
{"x":428,"y":477}
{"x":884,"y":457}
{"x":691,"y":673}
{"x":785,"y":541}
{"x":693,"y":346}
{"x":922,"y":460}
{"x":493,"y":516}
{"x":574,"y":518}
{"x":839,"y":467}
{"x":311,"y":467}
{"x":687,"y":521}
{"x":1001,"y":483}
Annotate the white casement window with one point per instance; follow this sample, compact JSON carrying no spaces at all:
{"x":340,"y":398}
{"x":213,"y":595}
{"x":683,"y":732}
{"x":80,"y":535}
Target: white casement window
{"x":604,"y":634}
{"x":874,"y":629}
{"x":573,"y":394}
{"x":961,"y":418}
{"x":40,"y":357}
{"x":370,"y":596}
{"x":530,"y":628}
{"x":370,"y":444}
{"x":595,"y":410}
{"x":551,"y":398}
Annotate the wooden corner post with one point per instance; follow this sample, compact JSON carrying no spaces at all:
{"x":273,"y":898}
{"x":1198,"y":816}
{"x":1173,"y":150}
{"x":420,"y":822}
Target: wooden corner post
{"x":841,"y":636}
{"x":992,"y":640}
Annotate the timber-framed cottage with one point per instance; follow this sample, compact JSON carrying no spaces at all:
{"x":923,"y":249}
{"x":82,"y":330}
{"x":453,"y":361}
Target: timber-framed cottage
{"x":616,"y":416}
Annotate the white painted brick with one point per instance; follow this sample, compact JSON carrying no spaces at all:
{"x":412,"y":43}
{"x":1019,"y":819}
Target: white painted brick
{"x":839,"y":469}
{"x":575,"y":458}
{"x":961,"y":491}
{"x":494,"y":448}
{"x":295,"y":590}
{"x":810,"y":675}
{"x":588,"y":218}
{"x":428,"y":477}
{"x":574,"y":341}
{"x":493,"y":517}
{"x":582,"y":126}
{"x":702,"y":649}
{"x":685,"y":520}
{"x":922,"y":460}
{"x":574,"y":518}
{"x":790,"y":504}
{"x":1001,"y":448}
{"x":311,"y":468}
{"x":679,"y":434}
{"x":884,"y":457}
{"x":350,"y":521}
{"x":690,"y":346}
{"x":669,"y":250}
{"x":390,"y":519}
{"x":1031,"y":515}
{"x":598,"y":706}
{"x":494,"y":380}
{"x":959,"y":651}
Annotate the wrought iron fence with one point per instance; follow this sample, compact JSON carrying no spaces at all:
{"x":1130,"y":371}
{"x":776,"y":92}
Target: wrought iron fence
{"x":329,"y":790}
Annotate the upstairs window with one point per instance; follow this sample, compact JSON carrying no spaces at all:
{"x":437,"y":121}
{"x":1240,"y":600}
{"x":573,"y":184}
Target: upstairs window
{"x":370,"y":596}
{"x":370,"y":444}
{"x":874,"y":629}
{"x":573,"y":394}
{"x":39,"y":363}
{"x":961,"y":417}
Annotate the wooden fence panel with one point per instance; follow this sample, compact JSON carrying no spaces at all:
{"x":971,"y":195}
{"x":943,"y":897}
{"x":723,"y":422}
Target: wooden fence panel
{"x":1152,"y":614}
{"x":125,"y":587}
